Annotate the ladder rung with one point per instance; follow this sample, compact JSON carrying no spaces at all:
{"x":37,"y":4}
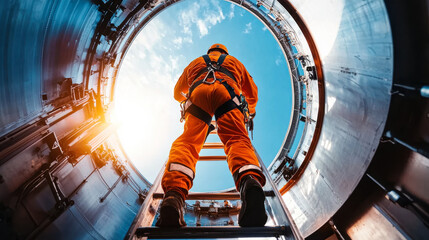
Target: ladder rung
{"x":213,"y":146}
{"x":213,"y":195}
{"x":212,"y":232}
{"x":206,"y":196}
{"x":212,"y":158}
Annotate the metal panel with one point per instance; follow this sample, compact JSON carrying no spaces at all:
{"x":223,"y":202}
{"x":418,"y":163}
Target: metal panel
{"x":355,"y":44}
{"x":20,"y":78}
{"x":110,"y":212}
{"x":65,"y":41}
{"x":21,"y":167}
{"x":128,"y":196}
{"x":62,"y":227}
{"x":415,"y":177}
{"x":374,"y":225}
{"x":44,"y":43}
{"x":71,"y":178}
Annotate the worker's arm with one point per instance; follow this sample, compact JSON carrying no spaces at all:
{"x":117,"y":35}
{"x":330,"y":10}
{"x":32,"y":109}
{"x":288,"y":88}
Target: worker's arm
{"x":181,"y":87}
{"x":249,"y":88}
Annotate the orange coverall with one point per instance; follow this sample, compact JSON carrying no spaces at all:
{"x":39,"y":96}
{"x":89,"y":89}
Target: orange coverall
{"x":184,"y":153}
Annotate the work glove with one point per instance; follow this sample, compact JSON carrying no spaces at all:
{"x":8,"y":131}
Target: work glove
{"x":250,"y":122}
{"x":252,"y":115}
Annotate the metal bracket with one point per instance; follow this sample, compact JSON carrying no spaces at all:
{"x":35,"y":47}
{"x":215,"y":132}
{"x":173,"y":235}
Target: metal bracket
{"x":62,"y":202}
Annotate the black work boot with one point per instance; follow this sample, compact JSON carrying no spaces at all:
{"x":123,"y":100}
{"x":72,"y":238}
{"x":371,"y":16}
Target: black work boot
{"x":172,"y":210}
{"x":252,"y":213}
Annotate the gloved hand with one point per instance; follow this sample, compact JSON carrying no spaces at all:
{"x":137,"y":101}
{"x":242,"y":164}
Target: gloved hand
{"x":250,"y":121}
{"x":252,"y":115}
{"x":250,"y":124}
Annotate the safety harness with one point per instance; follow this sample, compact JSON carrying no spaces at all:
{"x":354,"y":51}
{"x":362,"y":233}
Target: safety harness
{"x":234,"y":102}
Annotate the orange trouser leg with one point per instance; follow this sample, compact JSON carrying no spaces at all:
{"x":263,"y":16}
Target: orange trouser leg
{"x":238,"y":148}
{"x":184,"y":154}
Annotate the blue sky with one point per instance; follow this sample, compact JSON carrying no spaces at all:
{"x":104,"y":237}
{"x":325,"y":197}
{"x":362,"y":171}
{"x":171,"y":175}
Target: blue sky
{"x":144,"y":103}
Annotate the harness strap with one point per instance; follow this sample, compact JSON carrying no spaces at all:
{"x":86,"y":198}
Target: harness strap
{"x":229,"y":105}
{"x":220,"y":59}
{"x":224,"y":108}
{"x":229,"y":88}
{"x":217,"y":65}
{"x":209,"y":63}
{"x":199,"y":113}
{"x":207,"y":60}
{"x":195,"y":85}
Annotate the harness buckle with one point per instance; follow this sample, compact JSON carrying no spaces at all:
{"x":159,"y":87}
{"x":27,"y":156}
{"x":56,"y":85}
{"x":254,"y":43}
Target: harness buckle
{"x":212,"y":70}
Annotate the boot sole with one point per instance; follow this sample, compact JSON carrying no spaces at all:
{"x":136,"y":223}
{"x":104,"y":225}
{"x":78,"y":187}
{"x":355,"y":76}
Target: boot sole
{"x":169,"y":218}
{"x":253,"y":209}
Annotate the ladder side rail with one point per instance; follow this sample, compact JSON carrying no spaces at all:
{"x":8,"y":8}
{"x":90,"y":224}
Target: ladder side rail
{"x":212,"y":232}
{"x":147,"y":212}
{"x":279,"y":211}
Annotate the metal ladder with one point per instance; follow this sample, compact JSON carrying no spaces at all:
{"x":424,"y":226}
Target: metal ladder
{"x":278,"y":215}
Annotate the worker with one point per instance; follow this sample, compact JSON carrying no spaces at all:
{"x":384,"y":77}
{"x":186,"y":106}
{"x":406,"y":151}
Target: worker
{"x":213,"y":85}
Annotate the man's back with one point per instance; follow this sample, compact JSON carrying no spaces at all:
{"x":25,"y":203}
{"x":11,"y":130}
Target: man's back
{"x":244,"y":82}
{"x":212,"y":86}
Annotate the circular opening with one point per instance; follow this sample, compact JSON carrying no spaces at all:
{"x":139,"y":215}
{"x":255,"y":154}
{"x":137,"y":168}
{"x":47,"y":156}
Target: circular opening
{"x":144,"y":103}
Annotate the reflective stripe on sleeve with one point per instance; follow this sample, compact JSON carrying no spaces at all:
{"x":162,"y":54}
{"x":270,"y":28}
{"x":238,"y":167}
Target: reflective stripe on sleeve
{"x":181,"y":168}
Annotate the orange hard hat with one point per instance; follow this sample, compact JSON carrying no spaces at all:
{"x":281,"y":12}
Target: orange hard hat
{"x":218,"y":46}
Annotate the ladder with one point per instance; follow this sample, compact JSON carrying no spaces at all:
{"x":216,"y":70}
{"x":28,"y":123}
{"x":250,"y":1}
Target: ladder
{"x":278,"y":215}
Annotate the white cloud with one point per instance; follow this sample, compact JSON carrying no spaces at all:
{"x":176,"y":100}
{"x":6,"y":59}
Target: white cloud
{"x":278,"y":61}
{"x":187,"y":39}
{"x":241,"y":12}
{"x":151,"y":62}
{"x":187,"y":17}
{"x":202,"y":27}
{"x":157,"y":33}
{"x":231,"y":11}
{"x":190,"y":17}
{"x":248,"y":28}
{"x":264,"y":28}
{"x":178,"y":41}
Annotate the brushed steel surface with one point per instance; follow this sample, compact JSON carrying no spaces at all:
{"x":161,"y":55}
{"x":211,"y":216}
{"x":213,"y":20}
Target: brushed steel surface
{"x":47,"y":41}
{"x":354,"y":41}
{"x":374,"y":225}
{"x":44,"y":42}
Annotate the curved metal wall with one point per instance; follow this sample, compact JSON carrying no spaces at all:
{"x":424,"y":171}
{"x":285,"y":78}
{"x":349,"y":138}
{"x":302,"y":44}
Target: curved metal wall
{"x":59,"y":174}
{"x":356,"y":50}
{"x":43,"y":43}
{"x":50,"y":47}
